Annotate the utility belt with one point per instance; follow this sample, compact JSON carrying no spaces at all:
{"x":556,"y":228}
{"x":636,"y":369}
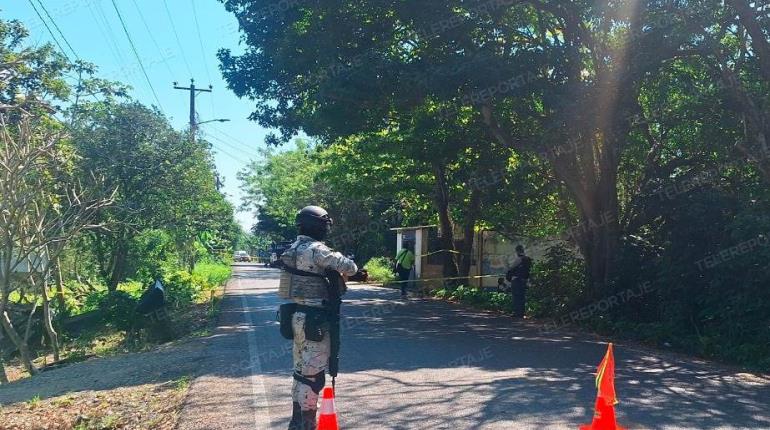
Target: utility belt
{"x":316,"y":319}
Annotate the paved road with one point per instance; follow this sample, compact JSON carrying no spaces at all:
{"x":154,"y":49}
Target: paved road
{"x":425,"y":364}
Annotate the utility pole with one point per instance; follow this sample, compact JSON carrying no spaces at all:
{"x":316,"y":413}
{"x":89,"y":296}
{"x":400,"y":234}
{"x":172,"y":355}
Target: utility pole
{"x":193,"y":92}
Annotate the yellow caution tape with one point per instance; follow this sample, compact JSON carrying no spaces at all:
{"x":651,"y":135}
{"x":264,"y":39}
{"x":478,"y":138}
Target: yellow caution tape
{"x":449,"y":278}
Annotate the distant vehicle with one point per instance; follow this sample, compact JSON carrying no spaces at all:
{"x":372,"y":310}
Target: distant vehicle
{"x":241,"y":256}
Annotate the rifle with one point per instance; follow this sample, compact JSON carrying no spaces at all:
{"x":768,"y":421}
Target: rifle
{"x":336,"y":286}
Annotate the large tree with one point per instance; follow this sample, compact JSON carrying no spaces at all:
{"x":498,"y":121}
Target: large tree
{"x":542,"y":75}
{"x":30,"y":78}
{"x":164,"y":181}
{"x":44,"y":206}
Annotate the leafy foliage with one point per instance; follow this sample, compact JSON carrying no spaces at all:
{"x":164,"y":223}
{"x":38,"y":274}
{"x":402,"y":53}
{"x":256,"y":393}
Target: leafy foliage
{"x":635,"y":131}
{"x":477,"y":297}
{"x":557,"y":283}
{"x":380,"y":270}
{"x":113,"y":196}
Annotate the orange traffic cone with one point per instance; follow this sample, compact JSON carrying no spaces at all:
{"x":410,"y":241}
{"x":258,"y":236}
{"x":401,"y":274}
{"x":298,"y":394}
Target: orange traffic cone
{"x":604,"y":411}
{"x":328,"y":417}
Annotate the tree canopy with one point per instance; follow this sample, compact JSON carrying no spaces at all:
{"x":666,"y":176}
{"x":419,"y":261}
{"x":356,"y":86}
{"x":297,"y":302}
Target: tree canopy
{"x":99,"y":193}
{"x":635,"y":130}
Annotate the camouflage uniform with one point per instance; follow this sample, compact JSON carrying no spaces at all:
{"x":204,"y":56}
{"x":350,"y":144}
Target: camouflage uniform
{"x":311,"y":358}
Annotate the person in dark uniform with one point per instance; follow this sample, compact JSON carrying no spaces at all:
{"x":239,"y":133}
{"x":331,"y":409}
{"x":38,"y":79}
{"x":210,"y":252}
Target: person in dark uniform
{"x":518,"y":275}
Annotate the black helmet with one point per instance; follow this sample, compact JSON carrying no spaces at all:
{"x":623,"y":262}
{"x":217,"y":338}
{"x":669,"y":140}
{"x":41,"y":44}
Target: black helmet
{"x":313,"y":221}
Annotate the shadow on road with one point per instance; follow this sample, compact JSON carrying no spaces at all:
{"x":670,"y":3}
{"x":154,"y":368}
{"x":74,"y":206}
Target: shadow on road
{"x":430,"y":353}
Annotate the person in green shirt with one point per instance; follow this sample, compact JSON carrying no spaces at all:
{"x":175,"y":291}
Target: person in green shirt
{"x":404,"y":263}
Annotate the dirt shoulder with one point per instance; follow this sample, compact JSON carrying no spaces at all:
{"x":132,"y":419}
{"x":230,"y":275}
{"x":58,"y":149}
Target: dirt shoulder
{"x":131,"y":391}
{"x":148,"y":406}
{"x":139,"y":390}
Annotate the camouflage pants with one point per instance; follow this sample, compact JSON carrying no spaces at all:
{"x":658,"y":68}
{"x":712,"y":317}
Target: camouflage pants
{"x":310,"y":358}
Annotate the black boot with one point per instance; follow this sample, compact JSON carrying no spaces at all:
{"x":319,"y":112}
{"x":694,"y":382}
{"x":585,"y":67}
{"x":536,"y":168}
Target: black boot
{"x":302,"y":420}
{"x":296,"y":417}
{"x":308,"y":418}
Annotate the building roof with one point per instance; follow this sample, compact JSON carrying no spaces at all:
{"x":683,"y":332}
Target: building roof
{"x":418,"y":227}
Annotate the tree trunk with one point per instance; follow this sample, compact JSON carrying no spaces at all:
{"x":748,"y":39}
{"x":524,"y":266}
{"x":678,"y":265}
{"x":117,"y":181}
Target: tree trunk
{"x":3,"y":375}
{"x":21,"y":345}
{"x":48,"y":322}
{"x":59,"y":287}
{"x":446,"y":226}
{"x":193,"y":260}
{"x":120,"y":257}
{"x":598,"y":231}
{"x":103,"y":258}
{"x":759,"y":42}
{"x":469,"y":232}
{"x":589,"y":171}
{"x":756,"y":129}
{"x":30,"y":318}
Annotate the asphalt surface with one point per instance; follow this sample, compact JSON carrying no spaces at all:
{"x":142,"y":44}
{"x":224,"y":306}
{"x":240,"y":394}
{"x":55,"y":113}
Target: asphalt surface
{"x":426,"y":364}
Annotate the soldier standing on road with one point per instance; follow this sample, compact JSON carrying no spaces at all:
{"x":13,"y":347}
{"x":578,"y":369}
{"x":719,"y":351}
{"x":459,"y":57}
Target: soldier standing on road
{"x":303,"y":282}
{"x":518,"y":275}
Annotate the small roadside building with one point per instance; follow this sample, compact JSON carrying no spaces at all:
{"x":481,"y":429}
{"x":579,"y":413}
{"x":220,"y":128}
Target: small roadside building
{"x":32,"y":263}
{"x":418,"y":236}
{"x":492,"y":255}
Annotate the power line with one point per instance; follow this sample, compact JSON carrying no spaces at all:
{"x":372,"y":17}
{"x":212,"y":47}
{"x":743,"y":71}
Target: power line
{"x":231,"y":137}
{"x":103,"y":24}
{"x":241,"y":146}
{"x":53,"y":36}
{"x":203,"y":50}
{"x":136,"y":53}
{"x":58,"y":29}
{"x":64,"y":38}
{"x":200,"y":39}
{"x":235,"y":158}
{"x":176,"y":35}
{"x":155,"y":42}
{"x":107,"y":35}
{"x":230,"y":145}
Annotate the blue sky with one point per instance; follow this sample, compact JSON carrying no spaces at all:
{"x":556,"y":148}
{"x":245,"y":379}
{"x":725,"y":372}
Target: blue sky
{"x":93,"y":29}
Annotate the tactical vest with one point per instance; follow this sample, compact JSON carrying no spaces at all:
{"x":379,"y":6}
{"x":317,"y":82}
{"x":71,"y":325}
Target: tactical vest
{"x":296,"y":287}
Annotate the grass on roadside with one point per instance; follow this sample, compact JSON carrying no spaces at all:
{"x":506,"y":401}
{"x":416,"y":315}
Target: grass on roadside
{"x":187,"y":318}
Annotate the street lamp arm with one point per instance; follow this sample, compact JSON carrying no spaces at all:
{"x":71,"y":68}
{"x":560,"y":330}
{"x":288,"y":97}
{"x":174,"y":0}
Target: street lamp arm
{"x":212,"y":120}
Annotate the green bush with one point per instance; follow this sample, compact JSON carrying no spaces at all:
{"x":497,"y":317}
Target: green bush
{"x":151,"y":254}
{"x":557,"y":284}
{"x":80,"y":298}
{"x":213,"y":274}
{"x":380,"y":270}
{"x":709,"y":278}
{"x":91,"y":301}
{"x":184,"y":288}
{"x":477,"y":297}
{"x":118,"y":309}
{"x":132,"y":288}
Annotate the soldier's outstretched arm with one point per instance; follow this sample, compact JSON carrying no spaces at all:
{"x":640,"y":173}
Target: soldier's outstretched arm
{"x":328,"y":259}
